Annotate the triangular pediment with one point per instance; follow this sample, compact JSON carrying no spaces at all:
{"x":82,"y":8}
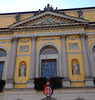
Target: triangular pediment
{"x":49,"y":21}
{"x":49,"y":18}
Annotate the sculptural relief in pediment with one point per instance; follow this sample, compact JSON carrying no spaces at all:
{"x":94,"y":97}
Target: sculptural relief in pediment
{"x":49,"y":21}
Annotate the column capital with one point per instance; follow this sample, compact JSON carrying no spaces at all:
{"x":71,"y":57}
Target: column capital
{"x":14,"y":39}
{"x":34,"y":37}
{"x":83,"y":35}
{"x":63,"y":36}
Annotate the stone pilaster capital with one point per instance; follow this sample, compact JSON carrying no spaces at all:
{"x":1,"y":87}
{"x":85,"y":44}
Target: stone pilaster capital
{"x":14,"y":39}
{"x":63,"y":36}
{"x":34,"y":37}
{"x":83,"y":35}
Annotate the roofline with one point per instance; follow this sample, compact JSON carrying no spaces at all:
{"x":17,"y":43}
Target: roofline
{"x":83,"y":8}
{"x":27,"y":12}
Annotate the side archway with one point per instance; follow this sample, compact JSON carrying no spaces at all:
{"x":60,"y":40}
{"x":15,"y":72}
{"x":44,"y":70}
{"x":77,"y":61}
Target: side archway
{"x":91,"y":48}
{"x":4,"y":57}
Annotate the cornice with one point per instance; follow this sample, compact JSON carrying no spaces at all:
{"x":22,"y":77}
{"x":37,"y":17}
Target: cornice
{"x":90,"y":33}
{"x":49,"y":27}
{"x":77,"y":32}
{"x":6,"y":31}
{"x":6,"y":38}
{"x":91,"y":25}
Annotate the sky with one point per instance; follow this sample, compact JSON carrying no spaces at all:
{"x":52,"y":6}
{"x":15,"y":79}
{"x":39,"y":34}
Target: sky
{"x":10,"y":6}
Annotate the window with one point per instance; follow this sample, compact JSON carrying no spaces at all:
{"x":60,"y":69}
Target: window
{"x":3,"y":53}
{"x":48,"y":61}
{"x":49,"y":68}
{"x":1,"y":69}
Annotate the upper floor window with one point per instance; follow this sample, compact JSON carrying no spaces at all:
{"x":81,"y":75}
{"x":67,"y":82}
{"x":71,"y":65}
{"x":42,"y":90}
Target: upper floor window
{"x":3,"y":53}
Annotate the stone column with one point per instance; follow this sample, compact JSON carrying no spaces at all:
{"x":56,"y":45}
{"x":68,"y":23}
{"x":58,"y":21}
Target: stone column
{"x":37,"y":66}
{"x":60,"y":65}
{"x":33,"y":62}
{"x":88,"y":79}
{"x":89,"y":59}
{"x":66,"y":81}
{"x":12,"y":61}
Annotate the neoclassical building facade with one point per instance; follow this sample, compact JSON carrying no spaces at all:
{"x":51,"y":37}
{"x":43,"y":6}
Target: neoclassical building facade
{"x":58,"y":41}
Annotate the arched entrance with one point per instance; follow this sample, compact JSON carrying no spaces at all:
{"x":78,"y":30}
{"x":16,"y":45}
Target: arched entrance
{"x":49,"y":64}
{"x":53,"y":60}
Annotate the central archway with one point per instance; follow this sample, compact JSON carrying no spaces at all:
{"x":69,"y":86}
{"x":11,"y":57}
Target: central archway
{"x":49,"y":60}
{"x":54,"y":60}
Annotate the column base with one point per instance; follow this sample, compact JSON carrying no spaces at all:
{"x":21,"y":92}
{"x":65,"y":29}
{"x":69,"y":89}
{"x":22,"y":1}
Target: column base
{"x":30,"y":84}
{"x":89,"y":82}
{"x":66,"y":82}
{"x":9,"y":84}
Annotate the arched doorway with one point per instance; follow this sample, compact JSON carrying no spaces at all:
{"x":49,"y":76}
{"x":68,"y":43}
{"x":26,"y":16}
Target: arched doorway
{"x":49,"y":60}
{"x":53,"y":60}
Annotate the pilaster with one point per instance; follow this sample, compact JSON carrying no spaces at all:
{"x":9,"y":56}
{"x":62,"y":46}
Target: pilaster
{"x":88,"y":78}
{"x":66,"y":81}
{"x":33,"y":60}
{"x":12,"y":61}
{"x":89,"y":60}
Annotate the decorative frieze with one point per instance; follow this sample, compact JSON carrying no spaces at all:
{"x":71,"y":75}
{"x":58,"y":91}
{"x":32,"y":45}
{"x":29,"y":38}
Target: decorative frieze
{"x":48,"y":39}
{"x":73,"y":46}
{"x":5,"y":42}
{"x":25,"y":41}
{"x":24,"y":48}
{"x":91,"y":37}
{"x":72,"y":38}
